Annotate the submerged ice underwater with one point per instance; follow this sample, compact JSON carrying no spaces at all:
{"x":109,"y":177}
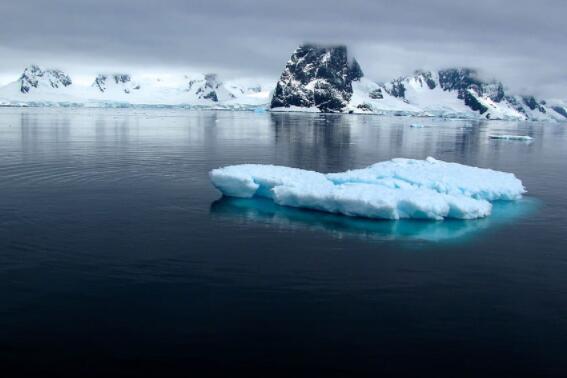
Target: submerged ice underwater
{"x":395,"y":189}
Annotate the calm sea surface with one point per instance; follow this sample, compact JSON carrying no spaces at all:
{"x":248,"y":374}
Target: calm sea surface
{"x":117,"y":256}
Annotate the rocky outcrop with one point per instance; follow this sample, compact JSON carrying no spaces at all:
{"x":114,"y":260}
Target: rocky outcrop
{"x":488,"y":98}
{"x":561,"y":110}
{"x":209,"y":88}
{"x":121,"y":81}
{"x":34,"y":77}
{"x":317,"y":77}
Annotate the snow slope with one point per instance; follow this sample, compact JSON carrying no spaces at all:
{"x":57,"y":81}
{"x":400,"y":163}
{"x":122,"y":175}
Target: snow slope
{"x":326,"y":79}
{"x":452,"y":93}
{"x":314,"y":80}
{"x":38,"y":87}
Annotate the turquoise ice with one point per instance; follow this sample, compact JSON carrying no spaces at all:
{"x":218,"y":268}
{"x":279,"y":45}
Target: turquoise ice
{"x":395,"y":189}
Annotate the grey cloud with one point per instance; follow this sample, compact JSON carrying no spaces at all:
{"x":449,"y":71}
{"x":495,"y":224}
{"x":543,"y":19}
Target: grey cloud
{"x":520,"y":42}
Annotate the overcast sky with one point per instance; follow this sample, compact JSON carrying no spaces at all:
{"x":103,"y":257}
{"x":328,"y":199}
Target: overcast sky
{"x":521,"y":42}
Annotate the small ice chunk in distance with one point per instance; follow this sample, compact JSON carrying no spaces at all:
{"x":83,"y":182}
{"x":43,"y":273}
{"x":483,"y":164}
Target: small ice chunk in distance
{"x":417,"y":126}
{"x":511,"y":137}
{"x":395,"y":189}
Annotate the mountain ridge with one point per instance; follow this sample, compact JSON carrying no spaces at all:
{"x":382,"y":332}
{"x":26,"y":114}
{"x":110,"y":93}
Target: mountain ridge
{"x":315,"y":79}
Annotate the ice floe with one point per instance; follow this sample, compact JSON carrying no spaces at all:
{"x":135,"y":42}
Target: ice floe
{"x":395,"y":189}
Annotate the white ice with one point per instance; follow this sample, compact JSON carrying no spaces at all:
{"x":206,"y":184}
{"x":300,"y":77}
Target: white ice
{"x":511,"y":137}
{"x":399,"y":188}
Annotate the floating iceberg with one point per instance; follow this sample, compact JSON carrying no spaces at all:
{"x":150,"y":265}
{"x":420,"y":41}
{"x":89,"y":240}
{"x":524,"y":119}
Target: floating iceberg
{"x":395,"y":189}
{"x":511,"y":137}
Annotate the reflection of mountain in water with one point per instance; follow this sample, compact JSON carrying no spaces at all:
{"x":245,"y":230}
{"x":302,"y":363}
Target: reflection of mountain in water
{"x":333,"y":143}
{"x":314,"y":141}
{"x":265,"y":211}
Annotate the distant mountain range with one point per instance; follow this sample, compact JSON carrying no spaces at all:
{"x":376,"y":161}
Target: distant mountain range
{"x":315,"y":79}
{"x":49,"y":87}
{"x":325,"y":79}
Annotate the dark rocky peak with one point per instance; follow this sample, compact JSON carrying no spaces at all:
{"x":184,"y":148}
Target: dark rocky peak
{"x":561,"y":110}
{"x":209,"y":91}
{"x":310,"y":62}
{"x":494,"y":90}
{"x":33,"y":70}
{"x":100,"y":82}
{"x":58,"y":78}
{"x":30,"y":78}
{"x":524,"y":104}
{"x":210,"y":81}
{"x":124,"y":81}
{"x":33,"y":75}
{"x":397,"y":87}
{"x":121,"y":78}
{"x":355,"y":72}
{"x":376,"y":94}
{"x":425,"y":78}
{"x":209,"y":88}
{"x":466,"y":79}
{"x":458,"y":79}
{"x":466,"y":83}
{"x":533,"y":104}
{"x":317,"y":76}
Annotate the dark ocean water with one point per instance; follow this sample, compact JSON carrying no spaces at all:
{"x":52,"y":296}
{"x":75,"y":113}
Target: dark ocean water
{"x":118,"y":258}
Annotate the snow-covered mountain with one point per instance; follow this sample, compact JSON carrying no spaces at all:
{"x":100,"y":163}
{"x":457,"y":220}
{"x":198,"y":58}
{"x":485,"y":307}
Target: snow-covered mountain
{"x":560,"y":106}
{"x":115,"y":82}
{"x":34,"y":77}
{"x":317,"y":78}
{"x":320,"y":79}
{"x":38,"y":87}
{"x":325,"y":79}
{"x":455,"y":92}
{"x":209,"y":88}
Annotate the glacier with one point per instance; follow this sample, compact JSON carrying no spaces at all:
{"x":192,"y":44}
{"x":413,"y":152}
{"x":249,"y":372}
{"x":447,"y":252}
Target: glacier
{"x":395,"y":189}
